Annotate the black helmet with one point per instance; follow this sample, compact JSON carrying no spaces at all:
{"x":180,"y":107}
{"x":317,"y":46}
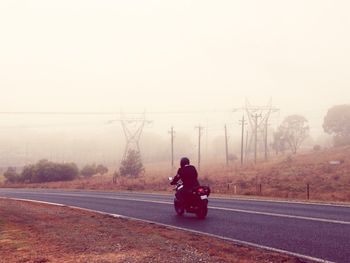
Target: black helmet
{"x":184,"y":161}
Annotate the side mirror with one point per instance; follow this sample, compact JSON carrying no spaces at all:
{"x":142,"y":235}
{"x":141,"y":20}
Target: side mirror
{"x":170,"y":178}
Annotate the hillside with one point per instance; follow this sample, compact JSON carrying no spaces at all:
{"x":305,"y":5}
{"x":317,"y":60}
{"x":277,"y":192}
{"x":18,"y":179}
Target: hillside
{"x":285,"y":176}
{"x":327,"y":172}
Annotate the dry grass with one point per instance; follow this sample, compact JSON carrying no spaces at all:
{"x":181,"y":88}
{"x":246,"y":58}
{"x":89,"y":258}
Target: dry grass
{"x":285,"y":176}
{"x":38,"y":233}
{"x":288,"y":177}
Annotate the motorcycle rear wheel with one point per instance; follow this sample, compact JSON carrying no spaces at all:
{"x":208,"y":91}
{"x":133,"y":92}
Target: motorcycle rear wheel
{"x":179,"y":209}
{"x":202,"y":212}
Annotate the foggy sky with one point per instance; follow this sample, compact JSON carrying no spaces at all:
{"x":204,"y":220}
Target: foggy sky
{"x":88,"y":55}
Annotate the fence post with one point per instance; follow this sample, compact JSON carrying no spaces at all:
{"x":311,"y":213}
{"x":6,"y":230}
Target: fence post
{"x":308,"y":191}
{"x":260,"y":189}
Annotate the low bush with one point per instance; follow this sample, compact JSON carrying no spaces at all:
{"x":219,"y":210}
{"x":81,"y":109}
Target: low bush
{"x":43,"y":171}
{"x":11,"y":175}
{"x":91,"y":169}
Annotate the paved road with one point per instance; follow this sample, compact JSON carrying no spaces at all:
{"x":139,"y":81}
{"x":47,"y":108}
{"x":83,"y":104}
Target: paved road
{"x":320,"y":231}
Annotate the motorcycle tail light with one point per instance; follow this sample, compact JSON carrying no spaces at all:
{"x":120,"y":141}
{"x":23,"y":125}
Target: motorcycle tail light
{"x":200,"y":190}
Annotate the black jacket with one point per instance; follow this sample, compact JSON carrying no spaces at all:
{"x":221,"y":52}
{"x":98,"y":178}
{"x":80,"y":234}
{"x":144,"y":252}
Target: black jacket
{"x":188,"y":175}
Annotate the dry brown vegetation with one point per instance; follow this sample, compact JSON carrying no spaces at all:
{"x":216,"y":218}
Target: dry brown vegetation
{"x":38,"y":233}
{"x":285,"y":176}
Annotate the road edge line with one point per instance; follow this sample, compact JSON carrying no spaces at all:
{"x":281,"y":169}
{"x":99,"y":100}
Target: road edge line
{"x":234,"y":241}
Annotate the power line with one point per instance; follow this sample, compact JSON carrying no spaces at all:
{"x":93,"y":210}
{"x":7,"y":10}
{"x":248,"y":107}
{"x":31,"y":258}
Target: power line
{"x":109,"y":112}
{"x":55,"y":113}
{"x":50,"y":125}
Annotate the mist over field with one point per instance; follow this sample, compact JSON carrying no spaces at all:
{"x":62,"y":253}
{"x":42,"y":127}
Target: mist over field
{"x":178,"y":64}
{"x":95,"y":139}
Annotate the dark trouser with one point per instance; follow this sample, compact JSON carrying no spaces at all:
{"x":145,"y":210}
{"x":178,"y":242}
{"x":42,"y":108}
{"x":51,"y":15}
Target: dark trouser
{"x":182,"y":194}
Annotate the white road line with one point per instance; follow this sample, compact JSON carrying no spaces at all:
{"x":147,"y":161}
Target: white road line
{"x":267,"y":200}
{"x":235,"y":241}
{"x":229,"y":198}
{"x":283,"y":215}
{"x":211,"y":207}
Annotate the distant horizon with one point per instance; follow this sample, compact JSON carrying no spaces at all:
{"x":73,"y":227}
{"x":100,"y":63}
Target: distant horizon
{"x":184,"y":63}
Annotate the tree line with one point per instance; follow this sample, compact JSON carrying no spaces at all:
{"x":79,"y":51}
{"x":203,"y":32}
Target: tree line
{"x":294,"y":129}
{"x":47,"y":171}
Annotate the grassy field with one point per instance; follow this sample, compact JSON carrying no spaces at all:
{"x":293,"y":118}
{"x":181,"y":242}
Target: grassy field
{"x":285,"y":176}
{"x":42,"y":233}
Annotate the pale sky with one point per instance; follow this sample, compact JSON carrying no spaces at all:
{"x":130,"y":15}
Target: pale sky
{"x":84,"y":55}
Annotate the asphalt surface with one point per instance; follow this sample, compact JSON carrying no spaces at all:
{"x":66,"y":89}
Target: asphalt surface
{"x":320,"y":231}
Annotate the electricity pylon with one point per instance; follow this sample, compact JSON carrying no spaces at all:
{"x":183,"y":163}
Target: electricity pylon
{"x":132,"y":128}
{"x":258,"y":118}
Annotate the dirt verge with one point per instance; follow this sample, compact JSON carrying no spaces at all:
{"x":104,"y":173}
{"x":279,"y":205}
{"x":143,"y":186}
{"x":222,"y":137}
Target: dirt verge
{"x":39,"y":233}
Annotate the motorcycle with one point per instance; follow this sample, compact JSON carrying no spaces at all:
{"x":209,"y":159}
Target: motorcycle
{"x":196,"y":202}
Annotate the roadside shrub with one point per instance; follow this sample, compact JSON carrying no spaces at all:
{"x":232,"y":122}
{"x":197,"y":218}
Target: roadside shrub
{"x":66,"y":172}
{"x":11,"y":175}
{"x":27,"y":174}
{"x":101,"y":169}
{"x":88,"y":170}
{"x":91,"y":169}
{"x":132,"y":165}
{"x":46,"y":171}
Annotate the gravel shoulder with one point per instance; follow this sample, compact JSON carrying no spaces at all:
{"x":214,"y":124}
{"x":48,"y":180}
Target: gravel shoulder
{"x":38,"y":233}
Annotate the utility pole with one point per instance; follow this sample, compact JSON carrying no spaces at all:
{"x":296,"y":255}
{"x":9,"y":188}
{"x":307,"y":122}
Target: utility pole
{"x":200,"y":128}
{"x":246,"y":145}
{"x":242,"y":138}
{"x":172,"y":146}
{"x":266,"y":125}
{"x":256,"y":116}
{"x":226,"y":145}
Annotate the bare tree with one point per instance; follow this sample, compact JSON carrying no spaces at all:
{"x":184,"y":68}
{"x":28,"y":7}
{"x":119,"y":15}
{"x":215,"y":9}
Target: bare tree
{"x":294,"y":131}
{"x":279,"y":142}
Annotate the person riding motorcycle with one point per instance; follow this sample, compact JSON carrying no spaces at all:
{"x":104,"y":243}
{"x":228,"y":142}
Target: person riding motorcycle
{"x":188,"y":175}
